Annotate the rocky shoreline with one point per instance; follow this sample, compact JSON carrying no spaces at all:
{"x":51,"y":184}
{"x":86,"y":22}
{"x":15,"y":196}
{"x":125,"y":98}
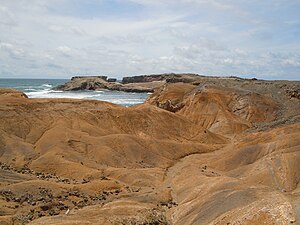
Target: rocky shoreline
{"x":104,"y":83}
{"x":204,"y":150}
{"x":142,"y":83}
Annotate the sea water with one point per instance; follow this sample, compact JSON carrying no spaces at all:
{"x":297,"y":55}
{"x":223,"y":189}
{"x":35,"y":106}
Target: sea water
{"x":42,"y":88}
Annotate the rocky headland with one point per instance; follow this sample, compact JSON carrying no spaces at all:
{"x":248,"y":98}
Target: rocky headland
{"x":203,"y":151}
{"x":142,"y":83}
{"x":104,"y":83}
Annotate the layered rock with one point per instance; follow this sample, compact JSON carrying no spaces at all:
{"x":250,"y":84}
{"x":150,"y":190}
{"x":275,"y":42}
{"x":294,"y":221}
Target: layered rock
{"x":11,"y":94}
{"x":218,"y":153}
{"x":143,"y":83}
{"x":102,"y":83}
{"x":229,"y":106}
{"x":168,"y":77}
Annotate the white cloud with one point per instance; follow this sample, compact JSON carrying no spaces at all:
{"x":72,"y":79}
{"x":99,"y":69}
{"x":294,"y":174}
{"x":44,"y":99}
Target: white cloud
{"x":77,"y":30}
{"x":11,"y":49}
{"x":202,"y":36}
{"x":241,"y":52}
{"x":56,"y":28}
{"x":7,"y":18}
{"x":66,"y":29}
{"x":294,"y":62}
{"x":65,"y":50}
{"x":228,"y":61}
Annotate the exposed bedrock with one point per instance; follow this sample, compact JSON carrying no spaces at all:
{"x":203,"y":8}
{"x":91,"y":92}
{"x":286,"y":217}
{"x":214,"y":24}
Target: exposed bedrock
{"x":208,"y":153}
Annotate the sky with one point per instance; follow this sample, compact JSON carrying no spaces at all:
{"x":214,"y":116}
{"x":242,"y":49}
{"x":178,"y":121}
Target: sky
{"x":117,"y":38}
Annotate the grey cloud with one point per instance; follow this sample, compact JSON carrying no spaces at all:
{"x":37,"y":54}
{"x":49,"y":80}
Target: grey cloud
{"x":7,"y":18}
{"x":56,"y":28}
{"x":172,"y":36}
{"x":54,"y":66}
{"x":11,"y":49}
{"x":77,"y":30}
{"x":66,"y":29}
{"x":65,"y":51}
{"x":291,"y":60}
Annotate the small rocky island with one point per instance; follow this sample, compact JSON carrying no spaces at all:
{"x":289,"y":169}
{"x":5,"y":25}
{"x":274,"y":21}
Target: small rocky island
{"x":143,"y":83}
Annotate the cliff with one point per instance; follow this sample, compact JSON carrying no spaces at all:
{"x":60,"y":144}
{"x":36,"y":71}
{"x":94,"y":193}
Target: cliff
{"x":223,"y":151}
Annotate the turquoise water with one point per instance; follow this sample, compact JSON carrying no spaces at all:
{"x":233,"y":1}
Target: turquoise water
{"x":42,"y":88}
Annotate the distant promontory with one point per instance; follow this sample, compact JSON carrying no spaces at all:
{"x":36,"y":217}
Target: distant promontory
{"x":142,"y":83}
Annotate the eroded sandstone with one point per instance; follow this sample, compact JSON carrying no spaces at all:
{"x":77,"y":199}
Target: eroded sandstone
{"x":207,"y":153}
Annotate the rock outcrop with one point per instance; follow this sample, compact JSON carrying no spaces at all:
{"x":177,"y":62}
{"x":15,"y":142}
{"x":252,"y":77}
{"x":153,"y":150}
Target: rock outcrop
{"x":7,"y":93}
{"x":143,"y":83}
{"x":168,"y":77}
{"x":102,"y":83}
{"x":231,"y":105}
{"x":224,"y":151}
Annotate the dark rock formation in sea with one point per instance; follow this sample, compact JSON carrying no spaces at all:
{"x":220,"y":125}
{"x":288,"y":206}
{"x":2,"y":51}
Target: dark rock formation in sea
{"x":102,"y":83}
{"x":111,"y":80}
{"x":142,"y":83}
{"x":84,"y":77}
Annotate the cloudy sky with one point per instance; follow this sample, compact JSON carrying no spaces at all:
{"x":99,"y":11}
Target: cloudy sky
{"x":62,"y":38}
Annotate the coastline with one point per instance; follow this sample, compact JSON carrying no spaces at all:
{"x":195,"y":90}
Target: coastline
{"x":216,"y":145}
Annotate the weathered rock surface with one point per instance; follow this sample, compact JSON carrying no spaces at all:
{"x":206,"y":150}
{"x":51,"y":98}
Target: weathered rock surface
{"x":102,"y":83}
{"x":11,"y":94}
{"x":144,"y":83}
{"x":230,"y":105}
{"x":219,"y":152}
{"x":168,"y":77}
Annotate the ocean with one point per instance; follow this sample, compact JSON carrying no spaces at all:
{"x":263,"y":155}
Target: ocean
{"x":42,"y":88}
